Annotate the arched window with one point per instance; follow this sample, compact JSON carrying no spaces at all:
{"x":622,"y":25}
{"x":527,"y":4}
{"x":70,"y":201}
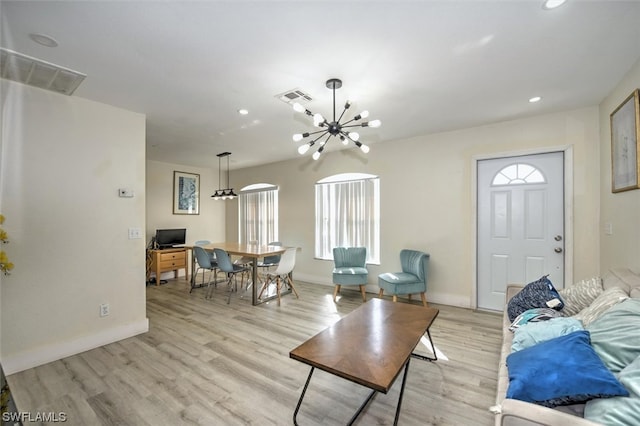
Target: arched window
{"x":348,"y":214}
{"x":258,"y":213}
{"x":518,"y":174}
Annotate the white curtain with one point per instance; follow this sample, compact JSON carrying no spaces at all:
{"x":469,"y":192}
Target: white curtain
{"x":348,"y":215}
{"x":258,"y":216}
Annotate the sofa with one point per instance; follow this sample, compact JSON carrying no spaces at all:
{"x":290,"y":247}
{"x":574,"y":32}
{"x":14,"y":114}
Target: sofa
{"x":625,"y":283}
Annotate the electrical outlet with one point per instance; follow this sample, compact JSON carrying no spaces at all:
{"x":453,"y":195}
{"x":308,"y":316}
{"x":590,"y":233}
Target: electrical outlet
{"x":104,"y":309}
{"x":125,"y":193}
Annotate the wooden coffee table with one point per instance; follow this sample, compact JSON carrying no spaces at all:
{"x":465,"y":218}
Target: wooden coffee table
{"x":369,"y":346}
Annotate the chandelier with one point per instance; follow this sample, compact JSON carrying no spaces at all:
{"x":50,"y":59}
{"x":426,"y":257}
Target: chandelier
{"x":227,"y":193}
{"x":333,"y":128}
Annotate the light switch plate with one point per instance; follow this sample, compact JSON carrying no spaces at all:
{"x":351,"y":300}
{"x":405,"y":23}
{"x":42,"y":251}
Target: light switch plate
{"x":135,"y":233}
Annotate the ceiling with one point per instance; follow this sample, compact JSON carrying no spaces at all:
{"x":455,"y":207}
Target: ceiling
{"x":421,"y":67}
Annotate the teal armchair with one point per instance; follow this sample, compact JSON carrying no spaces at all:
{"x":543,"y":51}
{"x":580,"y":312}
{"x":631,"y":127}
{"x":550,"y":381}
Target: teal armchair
{"x":350,"y":269}
{"x":412,"y":279}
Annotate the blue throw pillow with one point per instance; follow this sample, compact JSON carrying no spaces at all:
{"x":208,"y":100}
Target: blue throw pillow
{"x":561,"y":371}
{"x":536,"y":294}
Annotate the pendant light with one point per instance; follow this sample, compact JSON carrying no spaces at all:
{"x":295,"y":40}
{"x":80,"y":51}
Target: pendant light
{"x":227,"y":193}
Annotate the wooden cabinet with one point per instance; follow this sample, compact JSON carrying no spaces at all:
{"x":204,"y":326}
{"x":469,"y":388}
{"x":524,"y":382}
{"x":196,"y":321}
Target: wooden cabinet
{"x":167,"y":260}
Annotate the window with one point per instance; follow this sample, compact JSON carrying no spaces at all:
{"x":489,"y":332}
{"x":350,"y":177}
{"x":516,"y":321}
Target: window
{"x":348,"y":214}
{"x":258,"y":213}
{"x":517,"y":174}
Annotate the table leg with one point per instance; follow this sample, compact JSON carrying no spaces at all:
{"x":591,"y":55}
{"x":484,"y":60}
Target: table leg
{"x":254,"y":282}
{"x":362,"y":407}
{"x":193,"y":268}
{"x":304,"y":390}
{"x":404,"y":379}
{"x":433,"y":349}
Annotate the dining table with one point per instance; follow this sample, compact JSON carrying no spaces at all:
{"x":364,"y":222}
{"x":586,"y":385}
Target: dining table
{"x":251,"y":251}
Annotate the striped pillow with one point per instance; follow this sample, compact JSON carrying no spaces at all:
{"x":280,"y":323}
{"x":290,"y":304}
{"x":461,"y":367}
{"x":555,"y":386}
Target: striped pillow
{"x":580,"y":295}
{"x":610,"y":297}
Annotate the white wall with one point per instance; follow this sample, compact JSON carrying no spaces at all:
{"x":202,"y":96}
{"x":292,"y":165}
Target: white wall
{"x":622,"y":209}
{"x":426,"y":192}
{"x":63,"y":160}
{"x":208,"y":225}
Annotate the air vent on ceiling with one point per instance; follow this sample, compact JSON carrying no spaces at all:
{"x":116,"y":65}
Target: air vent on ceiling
{"x":35,"y":72}
{"x":295,"y":95}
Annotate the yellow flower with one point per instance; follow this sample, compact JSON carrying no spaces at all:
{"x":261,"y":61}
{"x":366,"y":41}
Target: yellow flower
{"x":3,"y":257}
{"x":3,"y":236}
{"x":1,"y":219}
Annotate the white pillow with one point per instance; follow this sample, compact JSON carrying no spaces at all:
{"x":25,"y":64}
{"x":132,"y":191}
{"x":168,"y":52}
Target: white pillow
{"x":580,"y":295}
{"x":608,"y":298}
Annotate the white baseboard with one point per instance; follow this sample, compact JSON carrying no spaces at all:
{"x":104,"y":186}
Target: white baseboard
{"x":438,"y":298}
{"x":313,"y":279}
{"x":449,"y":300}
{"x":43,"y":355}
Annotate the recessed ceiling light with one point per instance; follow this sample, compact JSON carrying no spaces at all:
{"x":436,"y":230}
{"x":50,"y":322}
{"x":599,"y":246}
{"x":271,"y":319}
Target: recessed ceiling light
{"x":552,"y":4}
{"x":535,"y":99}
{"x":43,"y":39}
{"x":243,"y":111}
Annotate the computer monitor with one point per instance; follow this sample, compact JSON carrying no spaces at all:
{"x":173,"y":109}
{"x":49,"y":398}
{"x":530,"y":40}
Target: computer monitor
{"x":167,"y":238}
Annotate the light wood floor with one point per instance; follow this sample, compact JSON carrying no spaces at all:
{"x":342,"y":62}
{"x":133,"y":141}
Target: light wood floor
{"x":206,"y":362}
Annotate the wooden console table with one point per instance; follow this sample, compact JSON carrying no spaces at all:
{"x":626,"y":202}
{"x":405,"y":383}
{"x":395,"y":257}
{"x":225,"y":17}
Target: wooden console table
{"x":172,"y":259}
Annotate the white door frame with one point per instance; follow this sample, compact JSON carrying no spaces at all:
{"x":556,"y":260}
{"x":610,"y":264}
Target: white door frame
{"x":568,"y":209}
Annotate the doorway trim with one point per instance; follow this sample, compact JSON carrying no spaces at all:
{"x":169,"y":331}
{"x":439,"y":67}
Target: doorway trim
{"x":568,"y":208}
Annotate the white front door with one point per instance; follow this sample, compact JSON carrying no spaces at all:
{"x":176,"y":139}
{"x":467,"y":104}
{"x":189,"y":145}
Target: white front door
{"x":520,"y":224}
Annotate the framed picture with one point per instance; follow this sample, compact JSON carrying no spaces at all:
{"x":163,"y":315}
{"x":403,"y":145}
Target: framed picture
{"x":625,"y":143}
{"x":186,"y":193}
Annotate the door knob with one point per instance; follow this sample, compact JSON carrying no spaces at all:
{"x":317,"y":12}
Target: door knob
{"x":558,"y":250}
{"x":558,"y":238}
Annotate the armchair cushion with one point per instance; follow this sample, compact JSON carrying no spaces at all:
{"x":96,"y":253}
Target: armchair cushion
{"x":350,"y":276}
{"x":400,"y":283}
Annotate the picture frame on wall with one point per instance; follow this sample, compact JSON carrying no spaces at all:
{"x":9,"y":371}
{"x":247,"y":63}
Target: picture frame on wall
{"x":625,"y":144}
{"x":186,"y":193}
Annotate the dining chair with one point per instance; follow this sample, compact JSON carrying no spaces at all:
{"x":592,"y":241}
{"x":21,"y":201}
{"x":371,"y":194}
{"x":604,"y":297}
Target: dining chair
{"x":246,"y":262}
{"x":270,"y":261}
{"x":204,"y":262}
{"x":230,"y":269}
{"x":411,"y":280}
{"x":350,"y":269}
{"x":205,"y":243}
{"x":282,"y":274}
